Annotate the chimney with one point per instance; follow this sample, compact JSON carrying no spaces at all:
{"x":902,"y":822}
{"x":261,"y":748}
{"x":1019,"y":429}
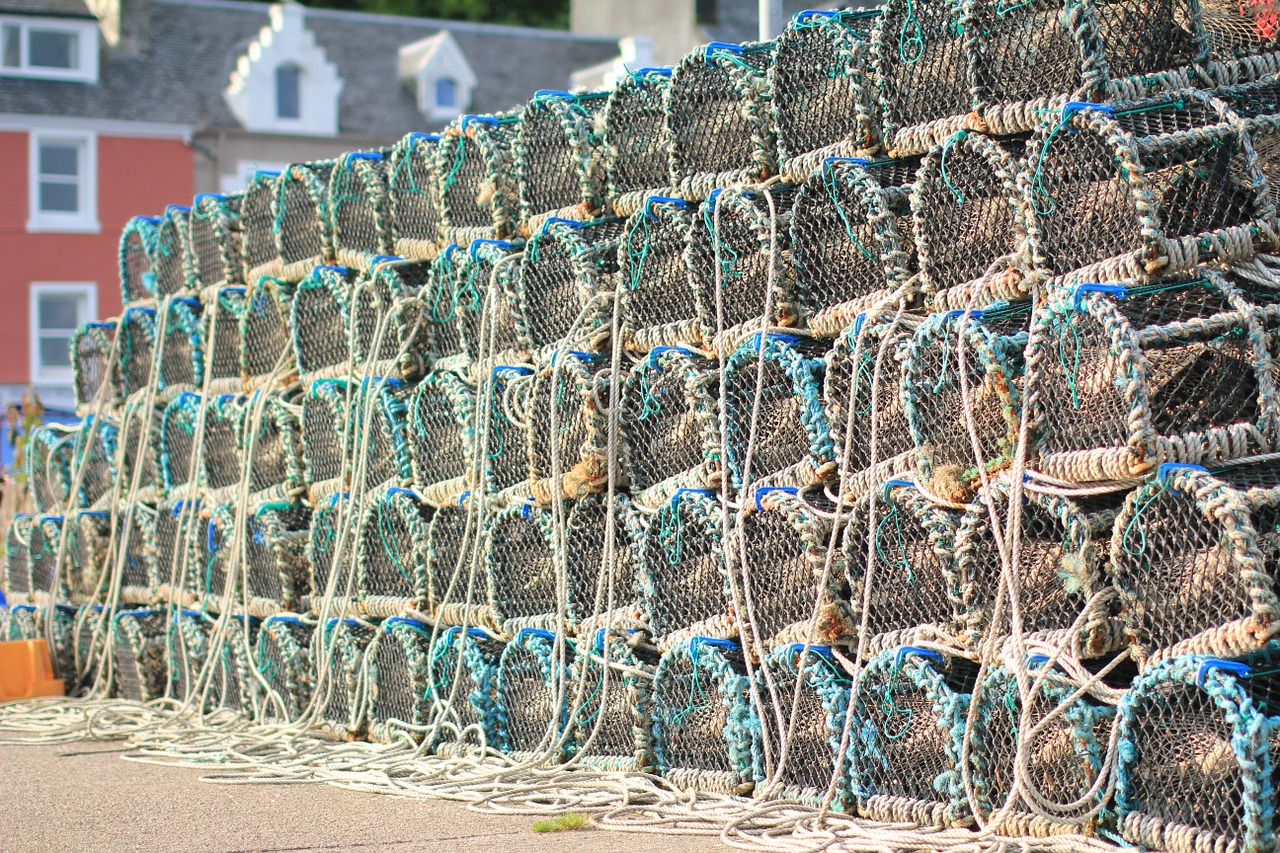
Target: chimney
{"x":125,"y":24}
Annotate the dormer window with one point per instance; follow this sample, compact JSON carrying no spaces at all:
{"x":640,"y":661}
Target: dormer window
{"x":52,"y":49}
{"x":288,"y":91}
{"x":446,"y":93}
{"x":438,"y":73}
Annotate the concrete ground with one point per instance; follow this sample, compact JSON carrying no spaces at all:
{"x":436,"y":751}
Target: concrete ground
{"x":84,"y":797}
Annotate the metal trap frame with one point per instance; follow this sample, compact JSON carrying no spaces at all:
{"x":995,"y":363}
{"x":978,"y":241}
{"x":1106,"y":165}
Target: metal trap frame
{"x":489,"y":323}
{"x":275,"y":562}
{"x":138,"y":638}
{"x":178,"y":444}
{"x":283,"y":658}
{"x":520,"y":568}
{"x":266,"y":337}
{"x":94,"y":377}
{"x":137,"y":248}
{"x":50,"y":453}
{"x":215,"y":242}
{"x":462,"y":693}
{"x":560,"y":167}
{"x":300,"y":224}
{"x":169,"y":256}
{"x":380,"y":427}
{"x":413,"y":187}
{"x":569,"y":442}
{"x":442,"y":435}
{"x":181,"y":360}
{"x":94,"y":458}
{"x":569,"y":270}
{"x":391,"y":332}
{"x":223,"y":325}
{"x":87,"y":554}
{"x":476,"y":174}
{"x":636,"y":137}
{"x":658,"y":303}
{"x":612,"y":729}
{"x":396,"y":672}
{"x":326,"y":434}
{"x":391,"y":553}
{"x":358,"y":208}
{"x":276,"y":467}
{"x":319,"y":322}
{"x":531,"y":697}
{"x":342,"y":710}
{"x":328,"y":517}
{"x":135,"y":356}
{"x":258,"y":250}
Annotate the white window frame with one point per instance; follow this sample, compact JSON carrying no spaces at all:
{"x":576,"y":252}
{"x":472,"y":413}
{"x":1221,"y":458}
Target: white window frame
{"x":41,"y":375}
{"x":86,"y":33}
{"x":84,"y":221}
{"x":245,"y":170}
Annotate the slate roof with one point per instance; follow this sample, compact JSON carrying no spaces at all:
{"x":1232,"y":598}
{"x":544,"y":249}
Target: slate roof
{"x":195,"y":43}
{"x":49,"y":8}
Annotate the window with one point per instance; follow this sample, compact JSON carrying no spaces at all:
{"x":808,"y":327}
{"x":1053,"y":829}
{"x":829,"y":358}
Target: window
{"x":446,"y":93}
{"x":705,"y":12}
{"x":56,"y":311}
{"x":288,"y":91}
{"x":40,"y":48}
{"x":63,"y":183}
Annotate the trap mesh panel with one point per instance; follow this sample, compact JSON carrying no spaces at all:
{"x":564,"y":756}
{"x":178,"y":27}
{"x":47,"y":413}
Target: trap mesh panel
{"x":140,"y":452}
{"x":276,"y":463}
{"x":909,"y":711}
{"x":231,"y":682}
{"x":778,"y":556}
{"x":257,"y":228}
{"x":136,"y":350}
{"x":223,"y":325}
{"x":531,"y":701}
{"x":462,"y":683}
{"x":50,"y":450}
{"x":181,"y":362}
{"x":136,"y":537}
{"x":681,"y":576}
{"x":275,"y":555}
{"x":300,"y":226}
{"x":43,"y":542}
{"x":568,"y":448}
{"x":326,"y":430}
{"x":821,"y":57}
{"x":968,"y":217}
{"x":520,"y":568}
{"x":177,"y":528}
{"x":851,"y":240}
{"x":381,"y":432}
{"x":319,"y":322}
{"x":187,"y":650}
{"x":671,"y":424}
{"x":358,"y":207}
{"x":906,"y":558}
{"x":399,"y":685}
{"x":169,"y":259}
{"x":1258,"y":104}
{"x":223,"y":424}
{"x":559,"y":165}
{"x":1190,"y":184}
{"x":441,"y":436}
{"x":613,"y":685}
{"x":476,"y":174}
{"x":1191,"y":556}
{"x":391,"y":553}
{"x":178,"y":442}
{"x":774,"y":412}
{"x":506,"y":408}
{"x":440,"y":303}
{"x":567,"y":267}
{"x":93,"y":371}
{"x":346,"y":641}
{"x":636,"y":137}
{"x":138,"y":637}
{"x":1064,"y":759}
{"x":266,"y":339}
{"x":90,"y":634}
{"x":95,"y":459}
{"x":328,"y":517}
{"x":62,"y":645}
{"x":936,"y":404}
{"x":601,"y":585}
{"x":457,"y":593}
{"x":486,"y":281}
{"x":719,"y":115}
{"x":390,"y":329}
{"x":86,"y":559}
{"x":1238,"y":29}
{"x":813,"y":715}
{"x":215,"y":244}
{"x":702,"y":717}
{"x":137,"y":247}
{"x":214,"y":557}
{"x":1123,"y":377}
{"x":751,"y":246}
{"x":22,"y":623}
{"x":17,"y":555}
{"x":283,"y":659}
{"x":658,"y":300}
{"x":1198,"y":751}
{"x":1064,"y":545}
{"x":414,"y":204}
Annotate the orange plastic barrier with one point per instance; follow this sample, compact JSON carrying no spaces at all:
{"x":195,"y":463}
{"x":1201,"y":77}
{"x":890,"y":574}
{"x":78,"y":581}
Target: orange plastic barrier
{"x":26,"y":671}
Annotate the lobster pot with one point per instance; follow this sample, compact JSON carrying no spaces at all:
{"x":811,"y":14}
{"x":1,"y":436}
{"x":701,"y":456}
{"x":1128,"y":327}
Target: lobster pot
{"x":600,"y":578}
{"x":22,"y":623}
{"x":346,"y":641}
{"x":300,"y":227}
{"x":462,"y":693}
{"x":670,"y":424}
{"x":187,"y":649}
{"x":215,"y":244}
{"x":441,"y":436}
{"x":324,"y":534}
{"x":86,"y":560}
{"x":50,"y":451}
{"x":910,"y":707}
{"x":900,"y":544}
{"x":62,"y":650}
{"x":476,"y":174}
{"x":681,"y":576}
{"x":17,"y":556}
{"x":136,"y":349}
{"x":283,"y":658}
{"x":1198,"y":751}
{"x":325,"y":433}
{"x":1191,"y":186}
{"x":139,"y":564}
{"x":559,"y":162}
{"x":485,"y":284}
{"x":532,"y":698}
{"x":520,"y":568}
{"x":358,"y":207}
{"x":223,"y":323}
{"x":381,"y":427}
{"x":137,"y":248}
{"x":390,"y":330}
{"x":1237,"y":30}
{"x":257,"y":228}
{"x":275,"y":556}
{"x":806,"y":695}
{"x":569,"y":439}
{"x":703,"y":723}
{"x":276,"y":464}
{"x":231,"y":682}
{"x":141,"y":671}
{"x":220,"y":452}
{"x":820,"y":67}
{"x":214,"y":555}
{"x":790,"y":581}
{"x":852,"y":242}
{"x":139,"y":469}
{"x":177,"y":528}
{"x":94,"y":459}
{"x":636,"y":137}
{"x":860,"y":397}
{"x":739,"y":259}
{"x":266,"y":336}
{"x":413,"y":200}
{"x":1122,"y":377}
{"x":169,"y":259}
{"x":399,"y":686}
{"x":458,"y":590}
{"x":178,"y":442}
{"x":320,"y":322}
{"x":773,"y":414}
{"x":93,"y":370}
{"x":969,"y":222}
{"x":49,"y":574}
{"x":1063,"y":547}
{"x":658,"y":303}
{"x":441,"y":307}
{"x":391,"y":553}
{"x":940,"y":404}
{"x":720,"y":116}
{"x":502,"y":440}
{"x":1065,"y":757}
{"x":1259,"y":105}
{"x":612,"y":687}
{"x":567,"y":268}
{"x":182,"y":356}
{"x":91,"y":631}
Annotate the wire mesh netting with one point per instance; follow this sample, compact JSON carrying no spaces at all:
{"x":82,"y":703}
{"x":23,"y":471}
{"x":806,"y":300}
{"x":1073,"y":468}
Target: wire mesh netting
{"x":562,"y":291}
{"x":441,"y":435}
{"x":50,"y":452}
{"x":331,"y":573}
{"x":169,"y":256}
{"x":178,"y":442}
{"x":283,"y":659}
{"x":270,"y":445}
{"x":326,"y":420}
{"x":390,"y":329}
{"x":181,"y":359}
{"x":485,"y":309}
{"x":257,"y":228}
{"x":137,"y":247}
{"x":659,"y":307}
{"x":391,"y":554}
{"x":463,"y":688}
{"x":301,"y":229}
{"x":342,"y":657}
{"x":266,"y":339}
{"x":94,"y":460}
{"x":87,"y":549}
{"x":412,"y":187}
{"x":93,"y":367}
{"x":138,"y":640}
{"x":397,"y":666}
{"x":320,"y":322}
{"x":569,"y":455}
{"x":275,"y":565}
{"x":220,"y":447}
{"x":636,"y":135}
{"x":524,"y":587}
{"x":136,"y":348}
{"x":560,"y":168}
{"x":612,"y":728}
{"x":530,"y":700}
{"x":475,"y":170}
{"x":223,"y":324}
{"x":358,"y":207}
{"x":216,"y":241}
{"x":380,"y":439}
{"x":43,"y":541}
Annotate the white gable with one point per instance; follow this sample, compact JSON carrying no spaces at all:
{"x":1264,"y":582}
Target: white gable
{"x":434,"y":66}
